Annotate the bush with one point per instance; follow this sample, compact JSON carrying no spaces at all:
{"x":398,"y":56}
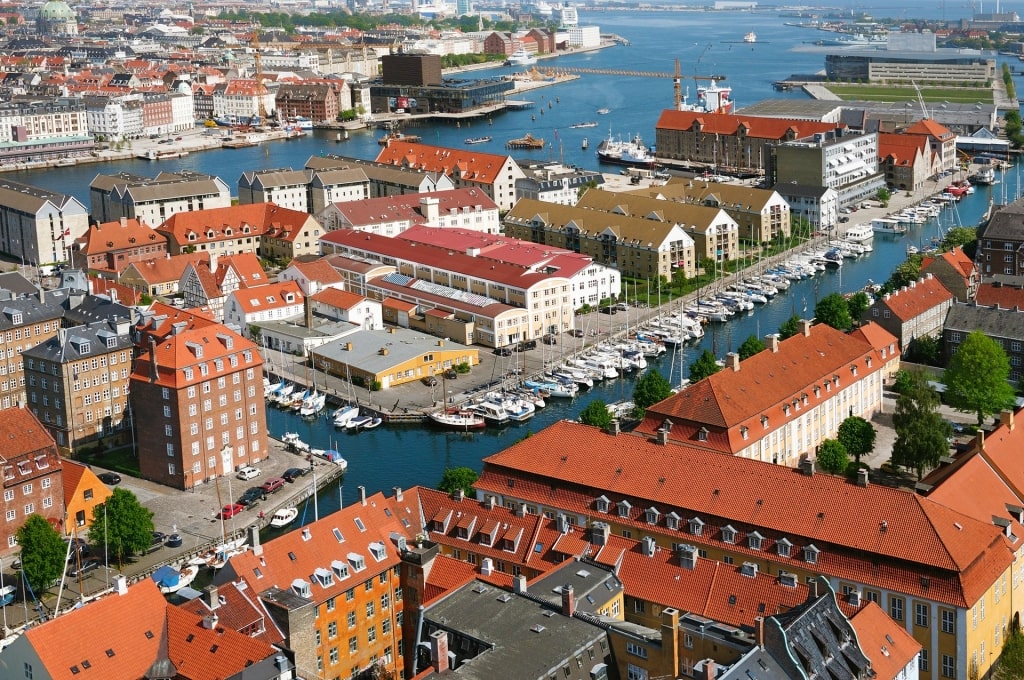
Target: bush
{"x":375,"y":386}
{"x":462,"y":368}
{"x":851,"y":469}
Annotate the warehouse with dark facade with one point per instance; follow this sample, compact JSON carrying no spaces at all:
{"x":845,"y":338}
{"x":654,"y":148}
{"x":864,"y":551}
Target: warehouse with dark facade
{"x":412,"y":83}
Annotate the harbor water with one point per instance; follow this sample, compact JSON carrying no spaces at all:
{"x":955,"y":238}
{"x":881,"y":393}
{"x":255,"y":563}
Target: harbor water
{"x":705,"y":44}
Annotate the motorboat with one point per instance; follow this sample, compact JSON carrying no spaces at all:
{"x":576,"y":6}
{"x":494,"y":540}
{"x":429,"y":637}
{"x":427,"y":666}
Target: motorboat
{"x":313,"y":404}
{"x":521,"y":58}
{"x":364,"y":422}
{"x":494,"y":414}
{"x":750,"y":37}
{"x":344,"y":414}
{"x":331,"y":456}
{"x":171,"y":580}
{"x":284,"y":517}
{"x":859,"y":233}
{"x":478,"y":140}
{"x":458,"y":419}
{"x":555,"y":388}
{"x":887,"y":225}
{"x":7,"y":594}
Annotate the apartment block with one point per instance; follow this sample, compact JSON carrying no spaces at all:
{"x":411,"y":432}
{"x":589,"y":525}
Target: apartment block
{"x":39,"y":226}
{"x":197,"y":399}
{"x":33,"y":483}
{"x":151,"y":200}
{"x":110,"y":247}
{"x":24,"y":322}
{"x":77,"y":384}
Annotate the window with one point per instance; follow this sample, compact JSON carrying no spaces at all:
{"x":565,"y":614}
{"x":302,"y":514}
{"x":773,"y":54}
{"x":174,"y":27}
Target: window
{"x":353,"y":645}
{"x":948,"y":666}
{"x":636,"y":650}
{"x":728,"y":534}
{"x":922,"y":660}
{"x":370,"y":609}
{"x":371,"y":634}
{"x":352,"y":619}
{"x":635,"y":673}
{"x":332,"y":630}
{"x":921,"y":614}
{"x":948,"y":621}
{"x":896,"y":608}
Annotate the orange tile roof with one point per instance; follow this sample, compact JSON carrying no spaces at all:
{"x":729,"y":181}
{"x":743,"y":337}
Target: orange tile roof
{"x":270,"y":296}
{"x":72,"y":475}
{"x":930,"y":128}
{"x":201,"y":653}
{"x":918,"y":298}
{"x":101,"y":286}
{"x":902,"y":148}
{"x":395,"y":303}
{"x":173,"y":353}
{"x":568,"y":465}
{"x":164,"y":269}
{"x":705,"y":590}
{"x":956,"y":258}
{"x":729,"y":124}
{"x":119,"y":636}
{"x":471,"y":165}
{"x":113,"y":236}
{"x":882,"y":340}
{"x":239,"y":609}
{"x":218,"y":224}
{"x":246,"y":266}
{"x":161,"y":323}
{"x":1002,"y":448}
{"x":447,"y":574}
{"x":320,"y":271}
{"x":340,"y":299}
{"x":731,"y":400}
{"x":887,"y":644}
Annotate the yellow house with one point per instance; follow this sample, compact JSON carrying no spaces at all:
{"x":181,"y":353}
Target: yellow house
{"x":394,"y":356}
{"x":83,"y":491}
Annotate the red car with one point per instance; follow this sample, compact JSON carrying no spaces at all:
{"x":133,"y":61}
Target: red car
{"x":229,"y":511}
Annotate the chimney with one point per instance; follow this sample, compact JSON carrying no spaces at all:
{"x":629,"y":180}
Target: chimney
{"x":807,"y":467}
{"x":663,"y":433}
{"x":362,"y":495}
{"x":562,"y":523}
{"x":459,"y":495}
{"x":687,"y":555}
{"x":397,"y":491}
{"x":210,"y":596}
{"x":732,"y":360}
{"x":487,"y":566}
{"x":213,"y":262}
{"x":153,"y":375}
{"x":772,"y":342}
{"x":805,"y":327}
{"x":124,"y":222}
{"x":599,"y":532}
{"x":1006,"y":419}
{"x":210,"y":622}
{"x":121,"y":584}
{"x":348,"y":346}
{"x":568,"y":601}
{"x":862,"y":477}
{"x":489,"y":502}
{"x":759,"y":631}
{"x":519,"y":584}
{"x":254,"y":539}
{"x":710,"y":669}
{"x":439,"y":650}
{"x":614,"y":428}
{"x":430,"y":209}
{"x":307,"y":309}
{"x":521,"y":510}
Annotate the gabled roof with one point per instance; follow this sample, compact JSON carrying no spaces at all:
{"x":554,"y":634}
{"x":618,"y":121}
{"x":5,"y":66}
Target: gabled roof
{"x":568,"y":465}
{"x":471,"y":165}
{"x":21,"y":433}
{"x":237,"y":607}
{"x":164,"y":269}
{"x":340,"y":299}
{"x":692,"y":217}
{"x":178,"y":351}
{"x":268,"y":297}
{"x":931,"y":128}
{"x":1006,"y":297}
{"x":121,"y":235}
{"x":955,"y":258}
{"x":407,"y":207}
{"x":237,"y":221}
{"x":160,"y":319}
{"x":740,"y":197}
{"x":918,"y":298}
{"x":763,"y":128}
{"x":889,"y":646}
{"x":319,"y":271}
{"x":199,"y":652}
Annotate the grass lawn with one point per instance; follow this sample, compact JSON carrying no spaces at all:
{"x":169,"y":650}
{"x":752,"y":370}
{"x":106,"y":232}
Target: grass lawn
{"x":877,"y":93}
{"x":120,"y":460}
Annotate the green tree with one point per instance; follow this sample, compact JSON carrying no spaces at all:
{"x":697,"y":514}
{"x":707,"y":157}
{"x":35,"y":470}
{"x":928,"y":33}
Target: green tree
{"x":1011,"y":661}
{"x":597,"y":414}
{"x":123,"y":524}
{"x":921,"y":431}
{"x":457,"y":478}
{"x":703,"y":366}
{"x":651,"y":388}
{"x":750,"y":347}
{"x":43,"y":552}
{"x":925,"y":350}
{"x":832,"y":310}
{"x":976,"y":378}
{"x":904,"y":273}
{"x":958,"y":237}
{"x":789,"y":327}
{"x":857,"y":436}
{"x":832,"y":457}
{"x":883,"y":195}
{"x":857,"y":304}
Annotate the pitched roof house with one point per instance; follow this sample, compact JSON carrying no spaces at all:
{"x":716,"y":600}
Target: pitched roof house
{"x":209,"y":286}
{"x":956,"y":271}
{"x":914,"y":311}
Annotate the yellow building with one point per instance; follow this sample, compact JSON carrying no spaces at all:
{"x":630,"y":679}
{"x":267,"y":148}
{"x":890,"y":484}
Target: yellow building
{"x":391,"y":357}
{"x":83,"y":491}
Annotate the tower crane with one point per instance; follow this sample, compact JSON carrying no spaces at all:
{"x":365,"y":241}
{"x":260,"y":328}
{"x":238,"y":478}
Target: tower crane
{"x":920,"y":100}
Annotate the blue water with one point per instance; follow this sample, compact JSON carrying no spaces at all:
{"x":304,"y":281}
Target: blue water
{"x":705,"y":43}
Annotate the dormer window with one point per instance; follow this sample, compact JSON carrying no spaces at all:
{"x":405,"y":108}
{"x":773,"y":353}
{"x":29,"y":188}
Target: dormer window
{"x":785,"y":409}
{"x":651,"y":515}
{"x":754,"y":540}
{"x":835,"y":380}
{"x":602,"y":503}
{"x":811,"y":554}
{"x":188,"y":374}
{"x":853,"y":370}
{"x":764,"y":422}
{"x":357,"y":561}
{"x":817,"y":391}
{"x":702,"y":434}
{"x":728,"y":534}
{"x":245,"y":229}
{"x":783,"y":547}
{"x":803,"y":399}
{"x":828,"y":387}
{"x":340,"y":569}
{"x":672,"y":521}
{"x":192,"y":236}
{"x":228,"y":232}
{"x":379,"y":551}
{"x":289,"y":298}
{"x":209,"y":233}
{"x":16,"y":318}
{"x":301,"y":588}
{"x":745,"y":432}
{"x":324,"y":577}
{"x":624,"y":508}
{"x":111,"y":341}
{"x":696,"y":526}
{"x":867,"y":362}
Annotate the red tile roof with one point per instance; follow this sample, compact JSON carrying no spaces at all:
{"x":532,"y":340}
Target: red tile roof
{"x":406,"y":207}
{"x":101,"y":286}
{"x":568,"y":465}
{"x":1007,"y":297}
{"x":903,"y":149}
{"x":218,"y":224}
{"x":508,"y":274}
{"x":201,"y":653}
{"x":729,"y":124}
{"x":164,"y":269}
{"x":471,"y":165}
{"x":930,"y":128}
{"x":401,"y":305}
{"x":956,"y":258}
{"x":176,"y":352}
{"x":22,"y":433}
{"x":239,"y":609}
{"x":887,"y":644}
{"x":270,"y":296}
{"x":447,"y":574}
{"x":320,"y":271}
{"x":920,"y":297}
{"x":764,"y":386}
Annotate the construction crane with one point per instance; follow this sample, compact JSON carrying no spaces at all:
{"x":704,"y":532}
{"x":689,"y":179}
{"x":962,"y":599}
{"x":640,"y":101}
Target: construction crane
{"x":920,"y":100}
{"x":260,"y":88}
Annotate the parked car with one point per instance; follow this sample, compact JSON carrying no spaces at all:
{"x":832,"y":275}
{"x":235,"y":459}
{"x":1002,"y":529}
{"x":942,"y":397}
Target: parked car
{"x":451,"y":374}
{"x":528,"y":344}
{"x":174,"y":541}
{"x":272,"y":485}
{"x":429,"y":381}
{"x":251,"y":496}
{"x":109,"y":478}
{"x":549,"y":339}
{"x":158,"y":542}
{"x":229,"y":511}
{"x":83,"y":568}
{"x":577,"y":332}
{"x":503,"y":351}
{"x":249,"y":472}
{"x":291,"y":474}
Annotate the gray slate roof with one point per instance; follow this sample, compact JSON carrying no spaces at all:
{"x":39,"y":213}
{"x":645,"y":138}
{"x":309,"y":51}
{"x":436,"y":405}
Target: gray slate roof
{"x":82,"y":342}
{"x":32,"y":309}
{"x":1006,"y":223}
{"x":995,"y":323}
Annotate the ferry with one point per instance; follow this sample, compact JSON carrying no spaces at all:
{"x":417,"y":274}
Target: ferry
{"x":859,"y":233}
{"x":520,"y":58}
{"x":631,"y":154}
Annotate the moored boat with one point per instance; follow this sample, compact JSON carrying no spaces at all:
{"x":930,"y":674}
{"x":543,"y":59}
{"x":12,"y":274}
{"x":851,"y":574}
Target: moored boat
{"x":526,"y":142}
{"x":458,"y":419}
{"x":478,"y":140}
{"x":631,"y":154}
{"x":283,"y":517}
{"x":586,"y":124}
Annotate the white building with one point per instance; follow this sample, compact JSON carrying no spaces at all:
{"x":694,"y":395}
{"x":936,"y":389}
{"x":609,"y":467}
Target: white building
{"x":239,"y":99}
{"x":39,"y":226}
{"x":313,"y":277}
{"x":584,"y":36}
{"x":469,"y":209}
{"x":340,"y":305}
{"x":273,"y":302}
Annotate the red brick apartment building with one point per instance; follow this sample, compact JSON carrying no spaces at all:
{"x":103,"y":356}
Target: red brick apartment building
{"x":197,"y":396}
{"x":32,"y":474}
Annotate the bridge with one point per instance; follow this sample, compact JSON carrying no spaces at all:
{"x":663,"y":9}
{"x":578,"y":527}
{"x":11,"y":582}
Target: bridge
{"x":622,"y":72}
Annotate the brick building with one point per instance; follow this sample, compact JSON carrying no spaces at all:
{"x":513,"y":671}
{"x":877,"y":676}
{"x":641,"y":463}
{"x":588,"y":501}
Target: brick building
{"x":77,"y":384}
{"x":110,"y":247}
{"x":197,"y":397}
{"x":33,"y":483}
